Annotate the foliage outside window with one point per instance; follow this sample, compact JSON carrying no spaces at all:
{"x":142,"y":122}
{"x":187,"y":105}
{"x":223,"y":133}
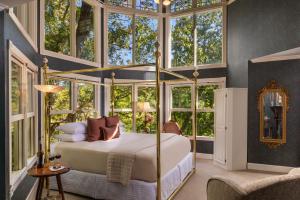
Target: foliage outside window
{"x":85,"y":100}
{"x":131,"y":39}
{"x":59,"y":28}
{"x":147,"y":5}
{"x":22,"y":119}
{"x":125,"y":106}
{"x":180,"y":5}
{"x":182,"y":109}
{"x":201,"y":29}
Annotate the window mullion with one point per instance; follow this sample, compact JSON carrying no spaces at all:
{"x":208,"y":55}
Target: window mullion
{"x":133,"y":38}
{"x":73,"y":26}
{"x":134,"y":104}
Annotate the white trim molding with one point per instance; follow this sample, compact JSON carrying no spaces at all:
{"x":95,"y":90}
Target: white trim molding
{"x":269,"y":168}
{"x":204,"y":156}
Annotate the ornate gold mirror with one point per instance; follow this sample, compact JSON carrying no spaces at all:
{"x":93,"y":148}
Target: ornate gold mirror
{"x":273,"y":106}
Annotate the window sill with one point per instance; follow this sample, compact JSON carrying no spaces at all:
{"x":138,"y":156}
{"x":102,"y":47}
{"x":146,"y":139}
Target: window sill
{"x":69,"y":58}
{"x":202,"y":138}
{"x":189,"y":68}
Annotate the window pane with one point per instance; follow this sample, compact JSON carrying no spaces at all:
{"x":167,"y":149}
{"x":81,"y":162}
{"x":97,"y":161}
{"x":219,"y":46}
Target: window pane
{"x":181,"y":97}
{"x":16,"y":89}
{"x":119,"y":39}
{"x":148,"y":5}
{"x":150,"y":125}
{"x":145,"y":36}
{"x":16,"y":145}
{"x":57,"y":26}
{"x":30,"y":137}
{"x":123,"y":97}
{"x":209,"y":37}
{"x":207,"y":2}
{"x":126,"y":119}
{"x":206,"y":96}
{"x":22,"y":13}
{"x":61,"y":100}
{"x":205,"y":124}
{"x":184,"y":120}
{"x":30,"y":94}
{"x":125,"y":3}
{"x":147,"y":94}
{"x":85,"y":36}
{"x":86,"y":96}
{"x":178,"y":5}
{"x":182,"y":52}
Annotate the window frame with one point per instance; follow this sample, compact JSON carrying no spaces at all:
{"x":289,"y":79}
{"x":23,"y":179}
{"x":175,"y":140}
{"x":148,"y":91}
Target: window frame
{"x":97,"y":30}
{"x":135,"y":85}
{"x":15,"y":55}
{"x":30,"y":36}
{"x":74,"y":79}
{"x":221,"y":82}
{"x":195,"y":11}
{"x":132,"y":13}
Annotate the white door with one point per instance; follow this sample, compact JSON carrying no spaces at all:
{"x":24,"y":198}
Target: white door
{"x":220,"y":126}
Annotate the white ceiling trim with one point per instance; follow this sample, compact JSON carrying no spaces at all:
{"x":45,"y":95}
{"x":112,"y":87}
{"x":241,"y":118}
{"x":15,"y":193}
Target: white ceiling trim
{"x":291,"y":54}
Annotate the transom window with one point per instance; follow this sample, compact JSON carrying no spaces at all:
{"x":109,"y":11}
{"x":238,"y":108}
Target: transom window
{"x":196,"y":39}
{"x":131,"y":39}
{"x":180,"y":5}
{"x":71,"y":27}
{"x":147,"y":5}
{"x":181,"y":106}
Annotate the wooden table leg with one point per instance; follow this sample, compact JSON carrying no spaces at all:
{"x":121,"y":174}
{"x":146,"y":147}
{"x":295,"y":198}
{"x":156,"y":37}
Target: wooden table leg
{"x":60,"y":188}
{"x":40,"y":188}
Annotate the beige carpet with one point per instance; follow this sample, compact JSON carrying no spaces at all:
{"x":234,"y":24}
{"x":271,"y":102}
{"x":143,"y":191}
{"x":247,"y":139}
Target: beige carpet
{"x":195,"y":189}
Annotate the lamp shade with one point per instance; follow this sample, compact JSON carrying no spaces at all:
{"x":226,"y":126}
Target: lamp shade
{"x":143,"y":106}
{"x":48,"y":88}
{"x":166,"y":2}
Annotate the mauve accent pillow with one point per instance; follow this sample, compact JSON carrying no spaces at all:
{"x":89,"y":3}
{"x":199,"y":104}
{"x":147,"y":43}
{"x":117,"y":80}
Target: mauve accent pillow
{"x":111,"y":132}
{"x":172,"y":127}
{"x":112,"y":121}
{"x":93,"y":126}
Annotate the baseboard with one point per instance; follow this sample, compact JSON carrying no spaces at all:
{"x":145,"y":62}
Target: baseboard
{"x":204,"y":156}
{"x":32,"y":193}
{"x":269,"y":168}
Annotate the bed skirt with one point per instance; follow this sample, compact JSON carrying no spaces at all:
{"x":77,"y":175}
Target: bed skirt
{"x":97,"y":187}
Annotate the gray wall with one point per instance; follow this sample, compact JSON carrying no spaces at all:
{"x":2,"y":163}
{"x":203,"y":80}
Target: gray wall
{"x":287,"y":74}
{"x":257,"y":28}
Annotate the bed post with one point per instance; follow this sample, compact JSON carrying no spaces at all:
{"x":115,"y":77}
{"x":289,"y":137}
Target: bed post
{"x":112,"y":93}
{"x":195,"y":74}
{"x":158,"y":166}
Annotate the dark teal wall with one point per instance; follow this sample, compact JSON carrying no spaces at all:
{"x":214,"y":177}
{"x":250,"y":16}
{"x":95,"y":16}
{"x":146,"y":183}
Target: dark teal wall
{"x":257,"y":28}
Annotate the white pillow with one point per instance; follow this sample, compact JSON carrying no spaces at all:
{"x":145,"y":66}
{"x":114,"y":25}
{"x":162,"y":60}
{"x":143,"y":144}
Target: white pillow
{"x":73,"y":128}
{"x":71,"y":137}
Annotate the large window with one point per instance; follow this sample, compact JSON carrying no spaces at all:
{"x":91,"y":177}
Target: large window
{"x":131,"y":39}
{"x":25,"y":17}
{"x":127,"y":98}
{"x":76,"y":102}
{"x":147,"y":5}
{"x":71,"y":27}
{"x":181,"y":106}
{"x":23,"y":121}
{"x":197,"y":39}
{"x":181,"y":5}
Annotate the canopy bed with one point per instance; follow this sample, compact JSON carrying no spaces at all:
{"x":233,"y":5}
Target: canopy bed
{"x":162,"y":163}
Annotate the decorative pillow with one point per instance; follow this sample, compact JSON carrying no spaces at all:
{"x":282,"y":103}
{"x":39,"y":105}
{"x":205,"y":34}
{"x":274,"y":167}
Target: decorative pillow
{"x":112,"y":121}
{"x":111,"y":132}
{"x":172,"y":127}
{"x":93,"y":131}
{"x":73,"y":128}
{"x":71,"y":137}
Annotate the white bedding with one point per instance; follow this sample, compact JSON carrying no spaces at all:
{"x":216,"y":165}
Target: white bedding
{"x":92,"y":156}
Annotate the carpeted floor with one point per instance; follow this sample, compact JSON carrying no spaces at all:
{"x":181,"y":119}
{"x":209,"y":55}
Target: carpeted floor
{"x":195,"y":189}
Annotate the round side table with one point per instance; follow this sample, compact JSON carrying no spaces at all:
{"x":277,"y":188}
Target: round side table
{"x":44,"y":173}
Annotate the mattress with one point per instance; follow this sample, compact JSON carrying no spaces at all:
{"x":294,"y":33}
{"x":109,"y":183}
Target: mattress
{"x":91,"y":157}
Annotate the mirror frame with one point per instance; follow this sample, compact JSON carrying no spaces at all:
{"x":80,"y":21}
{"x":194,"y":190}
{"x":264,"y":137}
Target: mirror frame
{"x":272,"y":86}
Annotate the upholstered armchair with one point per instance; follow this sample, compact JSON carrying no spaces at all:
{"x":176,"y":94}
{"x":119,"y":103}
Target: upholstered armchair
{"x":283,"y":187}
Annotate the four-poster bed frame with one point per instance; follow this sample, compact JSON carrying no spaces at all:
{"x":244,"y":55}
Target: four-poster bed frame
{"x":47,"y":75}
